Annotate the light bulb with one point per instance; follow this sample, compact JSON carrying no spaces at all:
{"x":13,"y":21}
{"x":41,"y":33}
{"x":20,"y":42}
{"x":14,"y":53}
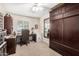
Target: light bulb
{"x":37,"y":9}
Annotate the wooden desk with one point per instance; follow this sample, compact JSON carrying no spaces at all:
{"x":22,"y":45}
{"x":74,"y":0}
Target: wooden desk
{"x":11,"y":45}
{"x":33,"y":37}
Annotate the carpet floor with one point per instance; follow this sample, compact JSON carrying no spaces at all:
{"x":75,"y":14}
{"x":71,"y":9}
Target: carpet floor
{"x":35,"y":49}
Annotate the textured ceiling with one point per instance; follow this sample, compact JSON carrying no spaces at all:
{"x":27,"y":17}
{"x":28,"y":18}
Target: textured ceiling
{"x":26,"y":8}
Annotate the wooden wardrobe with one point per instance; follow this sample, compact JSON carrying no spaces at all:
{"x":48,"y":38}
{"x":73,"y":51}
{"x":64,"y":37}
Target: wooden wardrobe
{"x":64,"y":29}
{"x":11,"y":40}
{"x":8,"y":23}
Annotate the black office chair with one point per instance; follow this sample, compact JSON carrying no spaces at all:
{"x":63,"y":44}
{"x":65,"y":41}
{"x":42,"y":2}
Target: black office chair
{"x":25,"y":36}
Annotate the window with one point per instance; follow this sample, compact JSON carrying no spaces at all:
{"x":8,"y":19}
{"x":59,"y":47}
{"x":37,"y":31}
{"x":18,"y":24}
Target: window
{"x":22,"y":25}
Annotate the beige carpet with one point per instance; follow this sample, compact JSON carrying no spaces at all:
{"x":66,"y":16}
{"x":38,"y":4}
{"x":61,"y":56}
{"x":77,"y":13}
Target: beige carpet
{"x":35,"y":49}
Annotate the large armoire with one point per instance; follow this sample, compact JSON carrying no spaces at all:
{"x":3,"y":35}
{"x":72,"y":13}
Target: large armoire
{"x":64,"y":29}
{"x":8,"y":23}
{"x":11,"y":40}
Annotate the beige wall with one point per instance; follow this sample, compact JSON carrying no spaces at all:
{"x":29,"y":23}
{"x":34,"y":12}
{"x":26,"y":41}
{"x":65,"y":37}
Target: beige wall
{"x":32,"y":21}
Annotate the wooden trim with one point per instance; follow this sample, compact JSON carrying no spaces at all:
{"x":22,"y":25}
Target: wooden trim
{"x":58,"y":5}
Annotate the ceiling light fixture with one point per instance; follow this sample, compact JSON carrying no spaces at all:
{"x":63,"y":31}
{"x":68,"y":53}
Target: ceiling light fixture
{"x":37,"y":8}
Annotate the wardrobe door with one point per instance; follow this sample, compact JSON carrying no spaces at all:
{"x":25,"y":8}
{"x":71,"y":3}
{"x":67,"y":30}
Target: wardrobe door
{"x":71,"y":31}
{"x":60,"y":31}
{"x":55,"y":30}
{"x":67,"y":31}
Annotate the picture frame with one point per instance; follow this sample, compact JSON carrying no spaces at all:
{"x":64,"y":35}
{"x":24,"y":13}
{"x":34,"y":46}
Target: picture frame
{"x":36,"y":26}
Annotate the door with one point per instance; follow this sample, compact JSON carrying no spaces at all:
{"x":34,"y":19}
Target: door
{"x":71,"y":31}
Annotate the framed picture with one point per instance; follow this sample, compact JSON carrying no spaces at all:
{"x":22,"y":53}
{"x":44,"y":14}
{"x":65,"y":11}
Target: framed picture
{"x":36,"y":26}
{"x":46,"y":27}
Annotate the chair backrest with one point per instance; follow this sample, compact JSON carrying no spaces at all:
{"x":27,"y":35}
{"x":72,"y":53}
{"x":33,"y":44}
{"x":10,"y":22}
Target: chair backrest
{"x":25,"y":35}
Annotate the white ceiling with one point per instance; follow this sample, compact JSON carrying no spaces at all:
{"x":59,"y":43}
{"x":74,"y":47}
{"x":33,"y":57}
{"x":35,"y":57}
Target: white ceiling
{"x":26,"y":8}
